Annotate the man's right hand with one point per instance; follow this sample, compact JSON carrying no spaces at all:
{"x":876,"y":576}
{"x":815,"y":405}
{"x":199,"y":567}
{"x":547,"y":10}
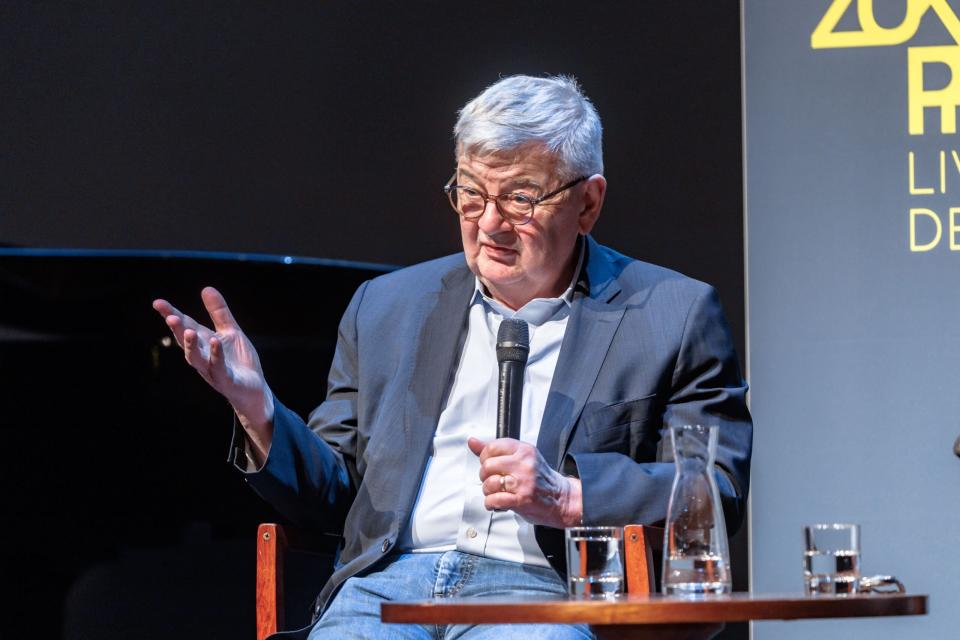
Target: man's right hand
{"x":227,"y":360}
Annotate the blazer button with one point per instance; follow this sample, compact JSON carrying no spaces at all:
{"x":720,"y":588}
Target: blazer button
{"x":384,"y":546}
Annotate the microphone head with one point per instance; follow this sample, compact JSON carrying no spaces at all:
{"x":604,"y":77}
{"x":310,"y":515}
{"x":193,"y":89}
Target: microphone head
{"x":513,"y":341}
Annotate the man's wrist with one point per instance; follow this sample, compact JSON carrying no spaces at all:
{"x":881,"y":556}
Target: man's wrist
{"x":573,"y":503}
{"x":258,"y":432}
{"x":255,"y":413}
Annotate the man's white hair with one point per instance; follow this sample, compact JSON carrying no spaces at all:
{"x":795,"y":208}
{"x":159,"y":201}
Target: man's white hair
{"x":519,"y":110}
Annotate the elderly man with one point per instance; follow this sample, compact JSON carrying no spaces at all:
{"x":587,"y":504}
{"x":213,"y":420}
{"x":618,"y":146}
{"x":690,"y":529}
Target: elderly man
{"x":402,"y":455}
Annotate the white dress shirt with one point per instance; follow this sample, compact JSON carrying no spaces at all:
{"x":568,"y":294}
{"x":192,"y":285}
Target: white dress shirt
{"x":449,"y":512}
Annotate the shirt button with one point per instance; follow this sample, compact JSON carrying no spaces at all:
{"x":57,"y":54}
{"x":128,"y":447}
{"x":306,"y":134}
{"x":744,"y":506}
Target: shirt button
{"x":471,"y":532}
{"x":384,"y":546}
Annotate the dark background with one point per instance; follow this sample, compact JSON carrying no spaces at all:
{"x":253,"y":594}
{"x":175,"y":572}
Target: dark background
{"x":309,"y":129}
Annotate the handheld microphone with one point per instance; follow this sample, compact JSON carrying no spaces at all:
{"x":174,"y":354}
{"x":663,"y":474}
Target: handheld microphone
{"x":513,"y":347}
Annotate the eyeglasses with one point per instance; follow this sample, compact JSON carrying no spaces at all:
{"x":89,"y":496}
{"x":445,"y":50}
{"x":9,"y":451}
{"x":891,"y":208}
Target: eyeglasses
{"x":515,"y":207}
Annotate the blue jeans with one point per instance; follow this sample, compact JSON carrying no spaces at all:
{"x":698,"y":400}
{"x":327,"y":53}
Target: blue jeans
{"x":355,"y":610}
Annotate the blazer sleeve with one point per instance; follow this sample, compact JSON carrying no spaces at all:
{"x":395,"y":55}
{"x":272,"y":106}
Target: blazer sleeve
{"x":706,"y":388}
{"x":310,"y":474}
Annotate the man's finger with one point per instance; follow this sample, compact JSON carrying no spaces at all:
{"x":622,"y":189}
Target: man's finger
{"x":164,"y":308}
{"x":175,"y":324}
{"x":193,"y":352}
{"x":500,"y":501}
{"x":176,"y":320}
{"x":476,"y":445}
{"x":167,"y":310}
{"x":218,"y":367}
{"x":499,"y":447}
{"x":499,"y":483}
{"x":218,"y":309}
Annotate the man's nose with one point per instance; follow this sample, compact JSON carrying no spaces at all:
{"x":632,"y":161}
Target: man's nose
{"x":490,"y":221}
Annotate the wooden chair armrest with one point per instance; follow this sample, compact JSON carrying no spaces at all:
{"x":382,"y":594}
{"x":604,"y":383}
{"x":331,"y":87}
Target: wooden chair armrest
{"x":273,"y":543}
{"x":642,"y":545}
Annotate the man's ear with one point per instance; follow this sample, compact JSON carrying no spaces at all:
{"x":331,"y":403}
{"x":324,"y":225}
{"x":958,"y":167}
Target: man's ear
{"x":593,"y":194}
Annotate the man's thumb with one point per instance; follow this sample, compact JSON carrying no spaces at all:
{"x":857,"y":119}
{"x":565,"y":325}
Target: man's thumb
{"x":475,"y":445}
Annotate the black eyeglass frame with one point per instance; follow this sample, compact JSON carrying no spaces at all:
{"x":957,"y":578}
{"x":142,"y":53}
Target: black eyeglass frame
{"x":450,"y":187}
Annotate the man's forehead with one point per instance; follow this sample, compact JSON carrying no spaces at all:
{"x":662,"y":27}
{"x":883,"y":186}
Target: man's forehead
{"x":529,"y":164}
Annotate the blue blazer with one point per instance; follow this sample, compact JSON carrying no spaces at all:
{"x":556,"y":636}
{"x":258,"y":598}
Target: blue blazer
{"x":644,"y":347}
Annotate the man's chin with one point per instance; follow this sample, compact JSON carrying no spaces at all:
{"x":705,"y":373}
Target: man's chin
{"x":497,"y":273}
{"x":499,"y":279}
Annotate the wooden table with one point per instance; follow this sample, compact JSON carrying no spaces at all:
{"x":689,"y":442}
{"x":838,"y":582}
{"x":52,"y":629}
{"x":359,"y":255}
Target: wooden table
{"x":652,"y":616}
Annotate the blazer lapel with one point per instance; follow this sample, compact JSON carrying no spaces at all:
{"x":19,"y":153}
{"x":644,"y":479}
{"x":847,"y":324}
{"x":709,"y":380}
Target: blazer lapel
{"x":593,"y":322}
{"x":437,"y":349}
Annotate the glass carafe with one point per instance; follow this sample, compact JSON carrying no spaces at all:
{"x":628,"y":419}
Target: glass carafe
{"x":696,"y":557}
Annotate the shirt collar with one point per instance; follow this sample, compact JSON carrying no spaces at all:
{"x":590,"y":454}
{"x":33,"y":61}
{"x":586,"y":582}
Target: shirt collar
{"x":538,"y":310}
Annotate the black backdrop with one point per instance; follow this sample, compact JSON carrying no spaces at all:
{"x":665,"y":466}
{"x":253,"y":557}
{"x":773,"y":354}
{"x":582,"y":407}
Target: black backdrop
{"x":324,"y":129}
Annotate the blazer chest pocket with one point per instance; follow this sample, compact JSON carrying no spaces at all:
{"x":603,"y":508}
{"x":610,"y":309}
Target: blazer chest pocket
{"x":618,"y":426}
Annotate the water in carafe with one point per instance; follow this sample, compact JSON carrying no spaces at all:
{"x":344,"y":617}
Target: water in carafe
{"x":696,"y":557}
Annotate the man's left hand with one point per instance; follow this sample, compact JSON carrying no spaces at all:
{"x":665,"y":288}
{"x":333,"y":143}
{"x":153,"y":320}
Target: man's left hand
{"x":515,"y":476}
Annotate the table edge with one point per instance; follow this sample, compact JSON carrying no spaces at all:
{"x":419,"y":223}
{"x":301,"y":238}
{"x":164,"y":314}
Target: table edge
{"x":651,"y":609}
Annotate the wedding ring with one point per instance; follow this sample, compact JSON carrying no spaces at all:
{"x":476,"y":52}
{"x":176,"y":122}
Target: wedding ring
{"x":503,"y":484}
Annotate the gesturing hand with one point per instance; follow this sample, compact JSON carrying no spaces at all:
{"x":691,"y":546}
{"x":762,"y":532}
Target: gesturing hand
{"x":227,"y":360}
{"x":515,"y":476}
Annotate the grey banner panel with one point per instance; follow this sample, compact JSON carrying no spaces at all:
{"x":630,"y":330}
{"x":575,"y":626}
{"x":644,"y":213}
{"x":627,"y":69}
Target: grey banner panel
{"x":853,"y":254}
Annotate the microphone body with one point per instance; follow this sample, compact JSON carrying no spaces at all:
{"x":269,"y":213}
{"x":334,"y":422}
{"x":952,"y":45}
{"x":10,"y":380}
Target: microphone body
{"x":513,"y":347}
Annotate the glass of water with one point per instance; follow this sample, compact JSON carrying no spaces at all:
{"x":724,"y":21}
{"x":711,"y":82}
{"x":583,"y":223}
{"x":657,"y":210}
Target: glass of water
{"x":594,"y":561}
{"x":831,"y":559}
